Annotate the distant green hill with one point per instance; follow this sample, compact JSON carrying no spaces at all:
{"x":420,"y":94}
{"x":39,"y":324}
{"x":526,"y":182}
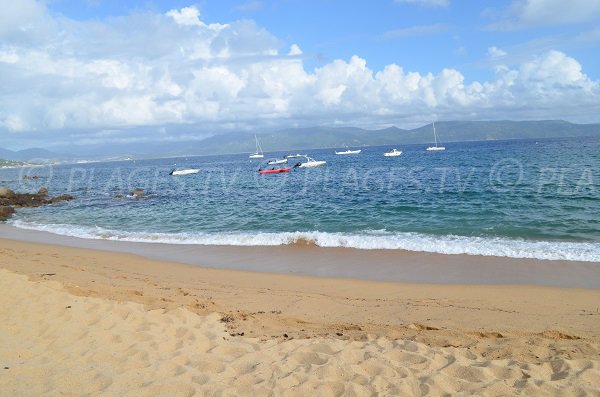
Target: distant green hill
{"x":33,"y":154}
{"x":298,"y":139}
{"x":328,"y":137}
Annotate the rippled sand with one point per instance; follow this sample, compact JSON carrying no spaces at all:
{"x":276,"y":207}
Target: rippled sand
{"x":53,"y":343}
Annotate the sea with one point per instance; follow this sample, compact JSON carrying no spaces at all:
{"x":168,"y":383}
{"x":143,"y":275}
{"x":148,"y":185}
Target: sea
{"x":518,"y":198}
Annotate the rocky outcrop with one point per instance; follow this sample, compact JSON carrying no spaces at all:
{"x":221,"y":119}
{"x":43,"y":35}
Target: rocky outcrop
{"x":63,"y":197}
{"x":6,"y":193}
{"x":10,"y":200}
{"x":6,"y":212}
{"x":137,"y":193}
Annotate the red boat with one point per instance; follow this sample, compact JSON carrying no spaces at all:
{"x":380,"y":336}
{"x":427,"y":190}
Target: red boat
{"x":275,"y":170}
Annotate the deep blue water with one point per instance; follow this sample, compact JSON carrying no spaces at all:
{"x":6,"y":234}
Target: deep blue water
{"x":507,"y":198}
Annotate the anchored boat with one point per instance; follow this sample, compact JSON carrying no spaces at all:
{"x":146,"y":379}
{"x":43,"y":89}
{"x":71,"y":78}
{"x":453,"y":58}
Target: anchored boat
{"x":349,"y":152}
{"x":259,"y":153}
{"x":310,"y":162}
{"x":278,"y":161}
{"x":393,"y":153}
{"x":436,"y":147}
{"x":188,"y":171}
{"x":275,"y":170}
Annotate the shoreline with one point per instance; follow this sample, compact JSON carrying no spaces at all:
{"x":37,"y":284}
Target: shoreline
{"x":130,"y":277}
{"x":114,"y":323}
{"x":376,"y":265}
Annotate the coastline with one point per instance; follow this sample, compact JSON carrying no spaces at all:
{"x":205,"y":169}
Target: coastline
{"x":118,"y":276}
{"x":446,"y":337}
{"x":376,"y":265}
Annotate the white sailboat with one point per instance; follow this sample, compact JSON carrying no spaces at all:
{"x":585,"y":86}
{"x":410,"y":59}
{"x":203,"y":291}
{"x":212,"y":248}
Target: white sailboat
{"x":436,"y":147}
{"x":259,"y":153}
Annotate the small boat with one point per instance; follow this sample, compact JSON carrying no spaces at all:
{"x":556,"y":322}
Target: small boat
{"x":259,"y":153}
{"x":187,"y":171}
{"x":294,"y":156}
{"x":393,"y":153}
{"x":349,"y":152}
{"x":436,"y":147}
{"x":275,"y":170}
{"x":278,"y":161}
{"x":310,"y":162}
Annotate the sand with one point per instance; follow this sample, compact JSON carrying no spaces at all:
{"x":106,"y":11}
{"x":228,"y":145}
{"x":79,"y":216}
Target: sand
{"x":83,"y":322}
{"x":304,"y":258}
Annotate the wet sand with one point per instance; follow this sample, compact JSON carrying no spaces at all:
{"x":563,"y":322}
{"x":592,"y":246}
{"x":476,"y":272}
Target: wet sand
{"x":82,"y":321}
{"x":380,"y":265}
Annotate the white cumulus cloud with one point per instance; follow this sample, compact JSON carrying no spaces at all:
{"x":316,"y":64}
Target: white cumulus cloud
{"x":295,"y":50}
{"x":495,"y":52}
{"x":190,"y":16}
{"x":156,"y":70}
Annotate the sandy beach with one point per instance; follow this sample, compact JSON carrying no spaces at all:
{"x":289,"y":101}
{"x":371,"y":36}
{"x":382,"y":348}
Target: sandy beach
{"x":87,"y":322}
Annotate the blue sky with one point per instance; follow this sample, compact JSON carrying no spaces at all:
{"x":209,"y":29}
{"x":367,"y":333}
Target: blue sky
{"x":420,"y":36}
{"x":92,"y":70}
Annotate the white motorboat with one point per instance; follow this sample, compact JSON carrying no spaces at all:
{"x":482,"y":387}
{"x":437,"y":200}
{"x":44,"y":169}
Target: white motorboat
{"x":349,"y":152}
{"x":187,"y":171}
{"x":294,"y":156}
{"x":310,"y":163}
{"x":259,"y":153}
{"x":393,"y":153}
{"x":278,"y":161}
{"x":436,"y":147}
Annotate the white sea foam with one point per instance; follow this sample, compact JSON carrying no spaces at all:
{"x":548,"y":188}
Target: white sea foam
{"x":449,"y":244}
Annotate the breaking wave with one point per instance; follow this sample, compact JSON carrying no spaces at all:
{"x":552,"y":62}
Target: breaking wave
{"x":368,"y":240}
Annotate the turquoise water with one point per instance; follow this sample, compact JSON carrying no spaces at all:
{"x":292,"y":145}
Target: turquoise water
{"x":505,"y":198}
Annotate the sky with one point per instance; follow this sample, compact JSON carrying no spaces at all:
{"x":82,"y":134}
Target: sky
{"x":106,"y":71}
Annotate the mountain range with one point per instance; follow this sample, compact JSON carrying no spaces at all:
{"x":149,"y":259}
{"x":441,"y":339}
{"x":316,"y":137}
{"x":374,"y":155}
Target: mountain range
{"x":447,"y":131}
{"x":33,"y":154}
{"x":294,"y":139}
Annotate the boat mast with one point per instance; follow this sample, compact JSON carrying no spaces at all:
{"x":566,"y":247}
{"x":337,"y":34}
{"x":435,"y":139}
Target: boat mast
{"x":434,"y":135}
{"x":258,"y":148}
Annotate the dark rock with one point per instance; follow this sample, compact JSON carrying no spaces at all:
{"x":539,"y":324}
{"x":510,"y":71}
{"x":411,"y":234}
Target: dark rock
{"x":6,"y":212}
{"x":10,"y":200}
{"x":31,"y":200}
{"x":138,"y":193}
{"x":58,"y":199}
{"x":6,"y":192}
{"x":27,"y":200}
{"x":119,"y":196}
